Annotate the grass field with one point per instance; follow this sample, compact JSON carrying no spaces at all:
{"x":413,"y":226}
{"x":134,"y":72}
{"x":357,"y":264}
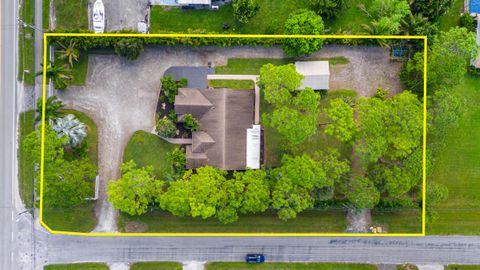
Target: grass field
{"x":148,"y":149}
{"x":399,"y":221}
{"x":458,"y":167}
{"x":462,"y":267}
{"x":26,"y":170}
{"x":156,"y":266}
{"x":45,"y":13}
{"x":26,"y":40}
{"x":288,"y":266}
{"x":92,"y":136}
{"x":351,"y":19}
{"x":233,"y":84}
{"x":452,"y":17}
{"x":269,"y":19}
{"x":79,"y":69}
{"x":78,"y":266}
{"x":71,"y":14}
{"x":77,"y":219}
{"x":308,"y":221}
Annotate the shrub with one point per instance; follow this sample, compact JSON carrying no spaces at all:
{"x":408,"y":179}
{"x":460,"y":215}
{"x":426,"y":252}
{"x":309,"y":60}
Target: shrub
{"x":170,"y":87}
{"x":327,"y":8}
{"x":191,"y":123}
{"x":182,"y":83}
{"x":467,"y":21}
{"x":244,"y":10}
{"x":130,"y":48}
{"x":166,"y":127}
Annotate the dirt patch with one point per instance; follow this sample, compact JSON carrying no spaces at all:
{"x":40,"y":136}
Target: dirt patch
{"x":135,"y":227}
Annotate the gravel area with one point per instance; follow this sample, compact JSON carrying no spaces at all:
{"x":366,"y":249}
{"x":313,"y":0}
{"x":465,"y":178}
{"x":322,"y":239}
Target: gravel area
{"x":121,"y":96}
{"x":124,"y":14}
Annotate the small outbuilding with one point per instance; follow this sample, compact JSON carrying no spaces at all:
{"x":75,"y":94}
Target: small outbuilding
{"x":316,"y":74}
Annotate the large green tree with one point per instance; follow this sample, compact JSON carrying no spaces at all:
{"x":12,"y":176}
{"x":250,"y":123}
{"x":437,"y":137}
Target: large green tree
{"x":256,"y":191}
{"x":327,"y":8}
{"x":388,"y":14}
{"x":295,"y":112}
{"x":244,"y":10}
{"x":430,"y":9}
{"x":135,"y":190}
{"x":341,"y":120}
{"x":303,"y":22}
{"x":362,"y":193}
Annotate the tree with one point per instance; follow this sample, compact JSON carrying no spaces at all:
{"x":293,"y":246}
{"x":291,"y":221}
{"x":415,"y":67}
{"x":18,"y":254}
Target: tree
{"x":388,"y":14}
{"x":362,"y":194}
{"x":448,"y":57}
{"x":467,"y":21}
{"x":65,"y":183}
{"x":166,"y":127}
{"x":303,"y":22}
{"x":69,"y":52}
{"x":169,"y":87}
{"x":244,"y":10}
{"x":256,"y":191}
{"x":411,"y":74}
{"x":60,"y":76}
{"x":327,"y":8}
{"x":446,"y":109}
{"x":417,"y":24}
{"x":341,"y":120}
{"x":135,"y":190}
{"x":130,"y":48}
{"x":436,"y":193}
{"x":278,"y":83}
{"x":430,"y":9}
{"x":52,"y":108}
{"x":198,"y":194}
{"x":191,"y":123}
{"x":296,"y":180}
{"x":72,"y":128}
{"x":295,"y":112}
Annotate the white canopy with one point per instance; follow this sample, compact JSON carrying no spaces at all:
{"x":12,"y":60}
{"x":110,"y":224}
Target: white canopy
{"x":253,"y":147}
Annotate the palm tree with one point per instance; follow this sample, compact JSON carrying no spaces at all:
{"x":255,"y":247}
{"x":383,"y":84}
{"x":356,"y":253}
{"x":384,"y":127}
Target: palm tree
{"x":412,"y":23}
{"x":58,"y":74}
{"x":52,"y":108}
{"x":71,"y":127}
{"x":377,"y":29}
{"x":69,"y":52}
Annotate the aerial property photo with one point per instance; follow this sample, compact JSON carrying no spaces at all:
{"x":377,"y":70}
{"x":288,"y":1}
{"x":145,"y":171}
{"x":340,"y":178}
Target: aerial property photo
{"x":206,"y":135}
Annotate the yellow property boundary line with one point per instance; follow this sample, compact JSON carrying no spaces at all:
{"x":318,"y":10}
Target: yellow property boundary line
{"x":424,"y":38}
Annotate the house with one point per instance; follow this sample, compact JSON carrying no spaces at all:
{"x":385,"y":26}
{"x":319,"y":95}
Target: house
{"x":181,"y":2}
{"x":316,"y":74}
{"x":225,"y":117}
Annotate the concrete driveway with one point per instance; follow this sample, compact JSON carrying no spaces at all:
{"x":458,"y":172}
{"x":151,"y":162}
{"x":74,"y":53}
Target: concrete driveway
{"x":124,"y":14}
{"x":121,"y":96}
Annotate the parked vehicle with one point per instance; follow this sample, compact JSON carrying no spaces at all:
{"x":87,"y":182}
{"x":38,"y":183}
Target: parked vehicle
{"x":98,"y":17}
{"x":255,"y":258}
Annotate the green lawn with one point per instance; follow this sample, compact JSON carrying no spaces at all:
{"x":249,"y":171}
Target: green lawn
{"x":458,"y":167}
{"x":26,"y":42}
{"x":156,"y":266}
{"x":350,"y":19}
{"x":71,"y":14}
{"x":452,"y":17}
{"x":462,"y":267}
{"x":25,"y":170}
{"x":399,"y":221}
{"x":78,"y":266}
{"x":288,"y":266}
{"x":79,"y":69}
{"x":80,"y":218}
{"x":269,"y":19}
{"x":45,"y":13}
{"x":92,"y":136}
{"x":311,"y":221}
{"x":233,"y":84}
{"x":148,"y":149}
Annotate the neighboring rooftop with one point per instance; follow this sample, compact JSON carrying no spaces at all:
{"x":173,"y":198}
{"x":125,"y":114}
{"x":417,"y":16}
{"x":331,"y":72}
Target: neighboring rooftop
{"x":222,"y":141}
{"x":316,"y":74}
{"x":180,"y":2}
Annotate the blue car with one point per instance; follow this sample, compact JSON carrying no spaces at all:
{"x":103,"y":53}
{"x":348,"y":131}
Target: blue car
{"x":255,"y":258}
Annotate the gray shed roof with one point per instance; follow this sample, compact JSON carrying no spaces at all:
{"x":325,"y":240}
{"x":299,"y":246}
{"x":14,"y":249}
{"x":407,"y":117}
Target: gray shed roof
{"x":316,"y":74}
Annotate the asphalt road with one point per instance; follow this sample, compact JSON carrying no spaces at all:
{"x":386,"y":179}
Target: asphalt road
{"x":380,"y":250}
{"x":8,"y":114}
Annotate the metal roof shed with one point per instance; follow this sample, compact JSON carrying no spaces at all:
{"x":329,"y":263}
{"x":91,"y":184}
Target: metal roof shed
{"x":316,"y":74}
